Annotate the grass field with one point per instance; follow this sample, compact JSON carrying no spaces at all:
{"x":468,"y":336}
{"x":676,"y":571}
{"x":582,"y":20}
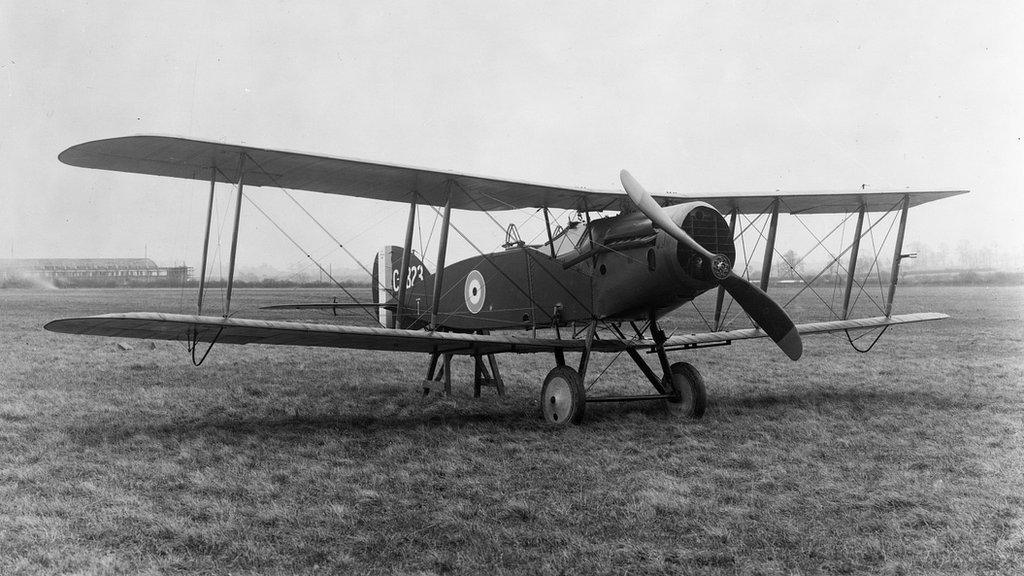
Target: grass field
{"x":908,"y":460}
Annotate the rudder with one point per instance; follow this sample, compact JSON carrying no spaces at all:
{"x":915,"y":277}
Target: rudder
{"x":387,"y":270}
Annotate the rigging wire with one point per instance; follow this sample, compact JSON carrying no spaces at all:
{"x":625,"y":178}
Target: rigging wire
{"x":834,"y":260}
{"x":219,"y":256}
{"x":606,"y":368}
{"x":181,"y":252}
{"x":487,"y":258}
{"x":875,"y":262}
{"x":335,"y":247}
{"x":423,"y":247}
{"x":835,"y":278}
{"x":878,"y":253}
{"x":303,"y":250}
{"x":747,"y":257}
{"x":321,"y":226}
{"x":532,"y":257}
{"x":870,"y":346}
{"x":193,"y":343}
{"x":701,"y":314}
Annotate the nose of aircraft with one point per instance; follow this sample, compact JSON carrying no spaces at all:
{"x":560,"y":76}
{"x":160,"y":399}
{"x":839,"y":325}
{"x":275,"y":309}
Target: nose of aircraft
{"x":706,"y":226}
{"x":764,"y":311}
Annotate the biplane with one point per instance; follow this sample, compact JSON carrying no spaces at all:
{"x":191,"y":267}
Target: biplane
{"x":596,"y":285}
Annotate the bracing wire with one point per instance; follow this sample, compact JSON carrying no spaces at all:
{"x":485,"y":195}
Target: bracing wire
{"x":193,"y":343}
{"x":531,"y":256}
{"x":834,"y":260}
{"x":303,"y":250}
{"x":181,"y":251}
{"x":870,"y":346}
{"x":874,"y":262}
{"x":606,"y":368}
{"x":317,"y":222}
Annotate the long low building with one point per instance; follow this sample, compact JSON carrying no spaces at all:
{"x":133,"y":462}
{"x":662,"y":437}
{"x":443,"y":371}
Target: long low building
{"x":72,"y":272}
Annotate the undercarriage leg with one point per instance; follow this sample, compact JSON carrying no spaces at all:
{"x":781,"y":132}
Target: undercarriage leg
{"x":585,"y":356}
{"x":429,"y":380}
{"x":447,"y":374}
{"x":655,"y":381}
{"x":481,"y":377}
{"x":640,"y":362}
{"x":498,"y":382}
{"x":659,"y":345}
{"x":435,"y":375}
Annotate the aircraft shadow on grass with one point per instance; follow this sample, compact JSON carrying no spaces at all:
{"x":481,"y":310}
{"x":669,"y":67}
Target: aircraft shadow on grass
{"x":511,"y":418}
{"x":838,"y":400}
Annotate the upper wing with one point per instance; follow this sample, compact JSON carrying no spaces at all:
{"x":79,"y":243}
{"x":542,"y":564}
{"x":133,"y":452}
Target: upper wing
{"x":195,"y":159}
{"x":157,"y":326}
{"x":821,"y":201}
{"x":199,"y":160}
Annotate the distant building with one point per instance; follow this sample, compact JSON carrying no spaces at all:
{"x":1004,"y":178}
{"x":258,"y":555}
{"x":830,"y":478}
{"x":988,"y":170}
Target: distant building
{"x":88,"y":272}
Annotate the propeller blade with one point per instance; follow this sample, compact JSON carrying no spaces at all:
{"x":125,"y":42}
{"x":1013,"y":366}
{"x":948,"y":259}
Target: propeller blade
{"x":758,"y":305}
{"x":766,"y":313}
{"x":657,"y":214}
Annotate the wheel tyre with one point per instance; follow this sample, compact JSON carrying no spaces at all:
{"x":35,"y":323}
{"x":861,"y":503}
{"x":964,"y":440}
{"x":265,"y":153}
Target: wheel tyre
{"x":687,"y":385}
{"x":562,"y":398}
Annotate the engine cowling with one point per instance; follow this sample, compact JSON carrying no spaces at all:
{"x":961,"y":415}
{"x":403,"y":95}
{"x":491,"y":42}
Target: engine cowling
{"x":647,"y":268}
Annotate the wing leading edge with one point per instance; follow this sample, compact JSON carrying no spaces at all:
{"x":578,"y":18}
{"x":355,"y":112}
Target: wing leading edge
{"x":183,"y":327}
{"x":201,"y":160}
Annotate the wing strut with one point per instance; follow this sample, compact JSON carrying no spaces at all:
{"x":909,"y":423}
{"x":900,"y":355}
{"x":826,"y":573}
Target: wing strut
{"x":851,"y":270}
{"x":442,"y":251}
{"x":769,"y":248}
{"x":897,"y":256}
{"x":547,"y":226}
{"x":404,"y":276}
{"x":234,"y":234}
{"x":206,"y":241}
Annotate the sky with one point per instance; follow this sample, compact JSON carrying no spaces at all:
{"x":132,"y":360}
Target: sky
{"x":693,"y":97}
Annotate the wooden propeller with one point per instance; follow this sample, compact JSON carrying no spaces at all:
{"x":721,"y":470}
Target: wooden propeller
{"x":768,"y":315}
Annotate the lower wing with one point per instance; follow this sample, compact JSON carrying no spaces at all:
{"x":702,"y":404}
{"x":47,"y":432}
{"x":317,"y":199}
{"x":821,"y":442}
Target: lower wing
{"x":189,"y":328}
{"x":688,"y":340}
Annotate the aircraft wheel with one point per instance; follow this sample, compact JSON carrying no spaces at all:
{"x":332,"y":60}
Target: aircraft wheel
{"x":562,"y":398}
{"x":688,"y":386}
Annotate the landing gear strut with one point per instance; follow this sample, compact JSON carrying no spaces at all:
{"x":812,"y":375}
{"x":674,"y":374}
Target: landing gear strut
{"x":680,"y":387}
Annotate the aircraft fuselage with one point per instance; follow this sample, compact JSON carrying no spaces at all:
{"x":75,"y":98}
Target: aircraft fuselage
{"x":618,"y":268}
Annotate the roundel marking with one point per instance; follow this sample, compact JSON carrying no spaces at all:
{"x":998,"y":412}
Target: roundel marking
{"x":475,"y":291}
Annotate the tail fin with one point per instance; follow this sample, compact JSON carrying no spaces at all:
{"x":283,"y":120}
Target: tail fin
{"x":387,"y":271}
